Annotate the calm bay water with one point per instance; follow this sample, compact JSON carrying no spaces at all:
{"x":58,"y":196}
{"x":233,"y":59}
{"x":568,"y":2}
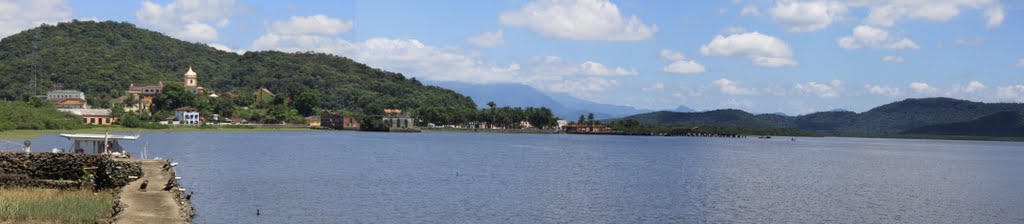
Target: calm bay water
{"x":360,"y":177}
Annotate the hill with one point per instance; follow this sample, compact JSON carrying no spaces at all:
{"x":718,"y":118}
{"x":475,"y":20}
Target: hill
{"x":102,"y":58}
{"x":1001,"y":124}
{"x":893,"y":118}
{"x":519,"y":95}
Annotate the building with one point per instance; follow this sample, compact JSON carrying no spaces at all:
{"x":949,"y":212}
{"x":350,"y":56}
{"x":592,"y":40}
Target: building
{"x":395,"y":118}
{"x":143,"y":95}
{"x":191,"y":82}
{"x":313,"y":121}
{"x":562,"y":124}
{"x":143,"y":92}
{"x":337,"y":121}
{"x":71,"y":103}
{"x":93,"y":116}
{"x":186,"y":116}
{"x":58,"y":95}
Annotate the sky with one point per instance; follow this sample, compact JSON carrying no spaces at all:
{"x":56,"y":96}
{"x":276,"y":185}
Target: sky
{"x":789,"y":56}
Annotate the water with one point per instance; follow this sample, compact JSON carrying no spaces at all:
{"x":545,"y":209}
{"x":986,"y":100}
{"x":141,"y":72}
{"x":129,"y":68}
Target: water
{"x":359,"y":177}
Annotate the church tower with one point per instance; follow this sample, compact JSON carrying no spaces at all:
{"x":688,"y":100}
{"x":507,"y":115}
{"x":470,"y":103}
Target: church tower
{"x":191,"y":81}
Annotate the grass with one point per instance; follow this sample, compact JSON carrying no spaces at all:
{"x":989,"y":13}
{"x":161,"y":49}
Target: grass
{"x":30,"y":134}
{"x":32,"y":205}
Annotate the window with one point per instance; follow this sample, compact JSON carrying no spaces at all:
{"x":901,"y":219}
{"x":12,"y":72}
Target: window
{"x":92,"y":120}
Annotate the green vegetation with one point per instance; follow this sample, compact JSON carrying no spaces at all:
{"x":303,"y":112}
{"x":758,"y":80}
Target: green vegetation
{"x":29,"y":134}
{"x":635,"y":127}
{"x":103,"y":58}
{"x":890,"y":119}
{"x":36,"y":114}
{"x":1002,"y":124}
{"x":30,"y":205}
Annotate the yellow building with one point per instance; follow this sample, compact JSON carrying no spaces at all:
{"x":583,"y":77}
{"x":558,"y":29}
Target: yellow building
{"x":313,"y":121}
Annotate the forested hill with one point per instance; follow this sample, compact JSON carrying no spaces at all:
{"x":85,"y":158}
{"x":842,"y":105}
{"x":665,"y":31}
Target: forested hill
{"x":103,"y":58}
{"x":891,"y":118}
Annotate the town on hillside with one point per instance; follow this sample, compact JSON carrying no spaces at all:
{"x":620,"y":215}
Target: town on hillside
{"x":188,"y":103}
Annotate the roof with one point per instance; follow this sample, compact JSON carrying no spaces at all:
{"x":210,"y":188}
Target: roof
{"x":314,"y":117}
{"x":69,"y":101}
{"x":392,"y":111}
{"x":98,"y":137}
{"x":87,"y":112}
{"x":190,"y":72}
{"x":63,"y":91}
{"x":185,"y":109}
{"x":145,"y":85}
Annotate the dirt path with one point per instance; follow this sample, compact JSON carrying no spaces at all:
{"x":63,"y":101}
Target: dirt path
{"x":154,"y":205}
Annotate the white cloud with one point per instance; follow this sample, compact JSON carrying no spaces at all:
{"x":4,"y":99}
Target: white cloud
{"x":315,"y":24}
{"x":597,"y":69}
{"x":883,"y":90}
{"x":487,"y":39}
{"x":585,"y":87}
{"x":893,"y":59}
{"x":738,"y":104}
{"x":579,"y":20}
{"x":922,"y":88}
{"x":994,"y":16}
{"x":655,"y":87}
{"x":867,"y":36}
{"x":1020,"y":63}
{"x":225,"y":48}
{"x":1014,"y":93}
{"x":750,"y":10}
{"x":185,"y":18}
{"x":762,"y":50}
{"x":732,"y":88}
{"x":822,"y":90}
{"x":197,"y":31}
{"x":19,"y":15}
{"x":974,"y":86}
{"x":807,"y":16}
{"x":888,"y":13}
{"x":680,"y":64}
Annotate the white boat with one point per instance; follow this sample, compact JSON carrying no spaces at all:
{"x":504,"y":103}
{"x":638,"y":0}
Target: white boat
{"x":98,"y":143}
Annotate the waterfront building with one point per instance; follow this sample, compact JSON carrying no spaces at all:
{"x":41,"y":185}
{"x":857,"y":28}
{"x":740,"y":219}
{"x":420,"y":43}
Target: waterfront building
{"x":313,"y":121}
{"x":93,"y":116}
{"x":562,"y":124}
{"x":395,"y":118}
{"x":186,"y":116}
{"x":337,"y":121}
{"x":584,"y":128}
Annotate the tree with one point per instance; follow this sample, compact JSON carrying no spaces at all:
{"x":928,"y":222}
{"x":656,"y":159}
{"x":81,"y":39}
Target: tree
{"x":306,"y":102}
{"x":590,"y":121}
{"x":581,"y":120}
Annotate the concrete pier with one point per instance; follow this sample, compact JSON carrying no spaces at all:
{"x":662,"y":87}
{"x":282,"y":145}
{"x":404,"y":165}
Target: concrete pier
{"x":154,"y":205}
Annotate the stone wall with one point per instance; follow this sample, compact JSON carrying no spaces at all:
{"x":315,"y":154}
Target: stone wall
{"x":35,"y":169}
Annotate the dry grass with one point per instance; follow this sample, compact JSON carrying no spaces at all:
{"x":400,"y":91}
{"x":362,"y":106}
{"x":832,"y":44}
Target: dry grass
{"x":31,"y":205}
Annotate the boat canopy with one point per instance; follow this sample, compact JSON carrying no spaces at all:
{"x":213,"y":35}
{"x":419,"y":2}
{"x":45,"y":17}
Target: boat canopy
{"x":98,"y":143}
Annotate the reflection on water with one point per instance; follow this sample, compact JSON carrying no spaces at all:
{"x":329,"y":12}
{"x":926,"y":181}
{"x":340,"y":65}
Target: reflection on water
{"x":331,"y":177}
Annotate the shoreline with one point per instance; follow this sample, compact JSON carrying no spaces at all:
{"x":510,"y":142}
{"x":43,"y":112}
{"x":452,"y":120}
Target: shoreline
{"x":30,"y":134}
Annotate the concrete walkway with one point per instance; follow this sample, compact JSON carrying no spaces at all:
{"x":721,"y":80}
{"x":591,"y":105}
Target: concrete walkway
{"x":153,"y":206}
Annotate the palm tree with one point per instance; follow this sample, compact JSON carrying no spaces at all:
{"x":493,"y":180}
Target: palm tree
{"x":491,"y":104}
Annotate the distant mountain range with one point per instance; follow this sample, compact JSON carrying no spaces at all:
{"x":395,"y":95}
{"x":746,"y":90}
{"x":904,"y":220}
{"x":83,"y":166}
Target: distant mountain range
{"x":940,"y":116}
{"x":519,"y":95}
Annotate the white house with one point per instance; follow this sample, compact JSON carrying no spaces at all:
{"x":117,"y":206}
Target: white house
{"x":58,"y":95}
{"x":186,"y":116}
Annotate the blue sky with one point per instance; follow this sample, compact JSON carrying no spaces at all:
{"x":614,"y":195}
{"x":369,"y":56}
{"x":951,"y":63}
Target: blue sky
{"x":791,"y":56}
